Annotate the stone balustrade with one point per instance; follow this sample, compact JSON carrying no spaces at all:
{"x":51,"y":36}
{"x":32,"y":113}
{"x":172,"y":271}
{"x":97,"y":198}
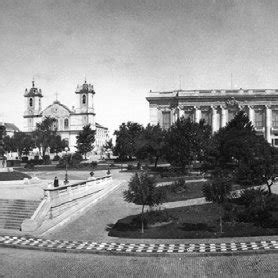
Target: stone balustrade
{"x":59,"y":201}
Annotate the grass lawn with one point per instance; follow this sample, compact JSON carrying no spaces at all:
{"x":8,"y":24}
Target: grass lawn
{"x":11,"y":176}
{"x":191,"y":222}
{"x":190,"y":190}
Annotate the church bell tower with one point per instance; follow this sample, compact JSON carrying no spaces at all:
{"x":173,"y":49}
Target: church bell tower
{"x":85,"y":104}
{"x":33,"y":108}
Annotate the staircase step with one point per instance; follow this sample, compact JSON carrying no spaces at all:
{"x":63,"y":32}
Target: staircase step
{"x":13,"y":212}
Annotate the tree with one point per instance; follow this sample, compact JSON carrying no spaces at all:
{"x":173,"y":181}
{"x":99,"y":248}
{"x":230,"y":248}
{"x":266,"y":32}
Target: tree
{"x":125,"y":140}
{"x":217,"y":191}
{"x":57,"y":144}
{"x":237,"y":149}
{"x":20,"y":142}
{"x":108,"y":145}
{"x":185,"y":142}
{"x":85,"y":140}
{"x":151,"y":143}
{"x":142,"y":191}
{"x":45,"y":134}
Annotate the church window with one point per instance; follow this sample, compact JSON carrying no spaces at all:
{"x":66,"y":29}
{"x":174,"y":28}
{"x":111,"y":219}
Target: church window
{"x":275,"y":118}
{"x":166,"y":119}
{"x":84,"y":99}
{"x":30,"y":102}
{"x":66,"y":123}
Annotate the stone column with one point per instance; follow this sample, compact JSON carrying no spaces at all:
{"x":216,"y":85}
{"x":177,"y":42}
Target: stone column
{"x":267,"y":123}
{"x":251,"y":114}
{"x":223,"y":117}
{"x":197,"y":114}
{"x":181,"y":112}
{"x":213,"y":119}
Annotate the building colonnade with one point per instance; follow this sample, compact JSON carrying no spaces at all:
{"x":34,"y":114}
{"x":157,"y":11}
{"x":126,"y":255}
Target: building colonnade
{"x":263,"y":117}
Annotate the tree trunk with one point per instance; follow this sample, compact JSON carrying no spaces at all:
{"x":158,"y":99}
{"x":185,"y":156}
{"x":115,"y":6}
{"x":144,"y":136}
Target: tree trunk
{"x":142,"y":220}
{"x":220,"y":220}
{"x":156,"y":161}
{"x":269,"y":188}
{"x":221,"y":224}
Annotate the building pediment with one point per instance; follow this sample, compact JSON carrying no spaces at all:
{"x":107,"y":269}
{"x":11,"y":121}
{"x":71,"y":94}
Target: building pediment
{"x":56,"y":110}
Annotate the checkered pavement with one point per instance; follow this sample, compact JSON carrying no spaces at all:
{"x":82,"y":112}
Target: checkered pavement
{"x":93,"y":247}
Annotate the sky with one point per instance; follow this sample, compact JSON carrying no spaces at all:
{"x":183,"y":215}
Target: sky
{"x":126,"y":48}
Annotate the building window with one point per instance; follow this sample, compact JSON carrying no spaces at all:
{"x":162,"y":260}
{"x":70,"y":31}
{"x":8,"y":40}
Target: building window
{"x":166,"y":120}
{"x":206,"y":116}
{"x":259,"y":118}
{"x":66,"y":123}
{"x":30,"y":102}
{"x":84,"y":99}
{"x":275,"y":142}
{"x":275,"y":118}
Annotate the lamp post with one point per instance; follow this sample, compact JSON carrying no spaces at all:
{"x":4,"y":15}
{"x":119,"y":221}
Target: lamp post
{"x":66,"y":157}
{"x":2,"y":151}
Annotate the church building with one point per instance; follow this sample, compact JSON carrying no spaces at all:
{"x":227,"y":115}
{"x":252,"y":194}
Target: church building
{"x":217,"y":108}
{"x":69,"y":122}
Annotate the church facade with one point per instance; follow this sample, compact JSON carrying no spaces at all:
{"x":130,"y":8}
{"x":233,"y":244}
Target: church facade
{"x":69,"y":122}
{"x":217,"y":107}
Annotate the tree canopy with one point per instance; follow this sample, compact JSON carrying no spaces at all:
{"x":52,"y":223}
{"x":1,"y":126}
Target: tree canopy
{"x":185,"y":142}
{"x":142,"y":191}
{"x":125,"y":146}
{"x":237,"y":149}
{"x":150,"y":144}
{"x":45,"y":134}
{"x":85,"y":140}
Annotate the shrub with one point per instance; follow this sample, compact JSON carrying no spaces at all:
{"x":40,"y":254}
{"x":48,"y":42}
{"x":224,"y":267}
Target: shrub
{"x":46,"y":160}
{"x":72,"y":161}
{"x":29,"y":165}
{"x":94,"y":164}
{"x":157,"y":216}
{"x":179,"y":186}
{"x":24,"y":159}
{"x":255,"y":206}
{"x":56,"y":157}
{"x":130,"y":167}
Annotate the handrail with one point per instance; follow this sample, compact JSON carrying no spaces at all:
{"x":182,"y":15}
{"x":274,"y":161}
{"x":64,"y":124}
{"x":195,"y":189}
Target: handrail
{"x":76,"y":184}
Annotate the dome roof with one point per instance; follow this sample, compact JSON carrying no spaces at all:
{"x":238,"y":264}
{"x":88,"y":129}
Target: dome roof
{"x":33,"y":91}
{"x":85,"y":88}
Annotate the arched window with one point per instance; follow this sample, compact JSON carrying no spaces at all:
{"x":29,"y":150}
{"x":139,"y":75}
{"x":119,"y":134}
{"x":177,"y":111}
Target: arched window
{"x":30,"y":102}
{"x":84,"y":99}
{"x":66,"y":123}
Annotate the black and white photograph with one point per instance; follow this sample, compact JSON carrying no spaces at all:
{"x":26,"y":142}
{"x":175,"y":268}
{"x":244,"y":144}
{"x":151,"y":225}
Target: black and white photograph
{"x":138,"y":138}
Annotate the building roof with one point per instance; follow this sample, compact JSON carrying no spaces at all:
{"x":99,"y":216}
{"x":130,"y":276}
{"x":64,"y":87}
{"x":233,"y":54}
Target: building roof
{"x":33,"y":91}
{"x":100,"y":126}
{"x":214,"y":93}
{"x":85,"y":88}
{"x":11,"y":127}
{"x":59,"y":103}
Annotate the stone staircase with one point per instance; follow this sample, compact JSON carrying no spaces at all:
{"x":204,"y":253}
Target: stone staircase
{"x":13,"y":212}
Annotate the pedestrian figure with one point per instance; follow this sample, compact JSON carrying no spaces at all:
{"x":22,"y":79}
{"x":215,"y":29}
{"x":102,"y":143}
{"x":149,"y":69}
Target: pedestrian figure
{"x":56,"y":182}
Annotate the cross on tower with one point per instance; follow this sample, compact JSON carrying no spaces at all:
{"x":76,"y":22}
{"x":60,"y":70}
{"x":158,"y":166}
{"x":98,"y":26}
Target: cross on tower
{"x":56,"y":94}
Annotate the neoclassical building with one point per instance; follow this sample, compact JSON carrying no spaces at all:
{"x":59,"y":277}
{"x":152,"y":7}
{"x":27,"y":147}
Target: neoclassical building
{"x":69,"y":122}
{"x":217,"y":107}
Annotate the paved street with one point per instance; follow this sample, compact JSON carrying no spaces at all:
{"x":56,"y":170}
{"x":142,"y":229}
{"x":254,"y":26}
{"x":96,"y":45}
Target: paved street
{"x":26,"y":263}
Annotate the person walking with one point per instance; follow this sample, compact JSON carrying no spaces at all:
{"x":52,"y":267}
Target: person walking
{"x":56,"y":182}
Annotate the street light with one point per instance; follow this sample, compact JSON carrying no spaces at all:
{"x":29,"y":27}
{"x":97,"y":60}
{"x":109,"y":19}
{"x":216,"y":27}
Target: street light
{"x":66,"y":157}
